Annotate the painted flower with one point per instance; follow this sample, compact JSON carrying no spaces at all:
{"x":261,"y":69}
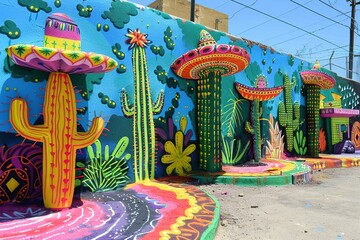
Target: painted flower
{"x":177,"y":157}
{"x":137,"y":38}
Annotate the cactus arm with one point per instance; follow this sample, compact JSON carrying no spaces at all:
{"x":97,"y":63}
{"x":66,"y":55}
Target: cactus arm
{"x":90,"y":151}
{"x":282,"y":114}
{"x":158,"y":105}
{"x":296,"y":115}
{"x":83,"y":139}
{"x":19,"y":118}
{"x":125,"y":106}
{"x":293,"y":82}
{"x":120,"y":147}
{"x":248,"y":127}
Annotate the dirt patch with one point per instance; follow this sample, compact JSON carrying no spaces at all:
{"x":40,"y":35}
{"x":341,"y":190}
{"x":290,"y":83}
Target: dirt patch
{"x":327,"y":208}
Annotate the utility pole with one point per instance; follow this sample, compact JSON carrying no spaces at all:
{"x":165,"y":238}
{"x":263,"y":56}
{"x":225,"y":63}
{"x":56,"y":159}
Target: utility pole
{"x":352,"y":31}
{"x":192,"y":11}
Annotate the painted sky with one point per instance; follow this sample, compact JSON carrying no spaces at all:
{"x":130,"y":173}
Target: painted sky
{"x":329,"y":20}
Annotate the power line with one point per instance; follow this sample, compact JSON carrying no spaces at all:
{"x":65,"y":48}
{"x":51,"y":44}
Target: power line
{"x":222,"y":4}
{"x":286,"y":33}
{"x":290,"y":24}
{"x":309,"y":9}
{"x":330,"y":6}
{"x":233,"y":15}
{"x":320,"y":29}
{"x":262,"y":23}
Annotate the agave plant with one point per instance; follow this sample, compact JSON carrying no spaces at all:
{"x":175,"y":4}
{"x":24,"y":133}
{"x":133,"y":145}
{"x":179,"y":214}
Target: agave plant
{"x":275,"y":147}
{"x":107,"y":171}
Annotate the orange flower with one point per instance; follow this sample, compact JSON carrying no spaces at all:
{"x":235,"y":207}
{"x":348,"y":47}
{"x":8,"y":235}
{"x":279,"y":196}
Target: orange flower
{"x":137,"y":38}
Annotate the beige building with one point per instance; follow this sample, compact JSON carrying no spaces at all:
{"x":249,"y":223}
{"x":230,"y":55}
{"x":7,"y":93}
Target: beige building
{"x":203,"y":15}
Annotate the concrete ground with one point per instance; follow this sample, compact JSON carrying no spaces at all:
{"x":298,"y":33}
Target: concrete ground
{"x":326,"y":208}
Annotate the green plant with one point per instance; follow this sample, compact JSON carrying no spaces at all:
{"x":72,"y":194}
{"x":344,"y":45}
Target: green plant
{"x":231,"y":116}
{"x":231,"y":153}
{"x":289,"y":114}
{"x":300,"y":143}
{"x":176,"y":156}
{"x":142,"y":110}
{"x":107,"y":171}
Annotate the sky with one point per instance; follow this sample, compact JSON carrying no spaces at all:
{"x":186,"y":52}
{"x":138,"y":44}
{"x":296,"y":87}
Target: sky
{"x":309,"y":29}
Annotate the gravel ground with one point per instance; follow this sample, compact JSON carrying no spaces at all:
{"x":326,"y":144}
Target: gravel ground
{"x":327,"y":208}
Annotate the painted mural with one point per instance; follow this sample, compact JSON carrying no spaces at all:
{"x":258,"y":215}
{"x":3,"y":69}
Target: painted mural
{"x":101,"y":99}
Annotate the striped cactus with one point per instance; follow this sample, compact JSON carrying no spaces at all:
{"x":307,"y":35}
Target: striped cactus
{"x":59,"y":137}
{"x":143,"y":109}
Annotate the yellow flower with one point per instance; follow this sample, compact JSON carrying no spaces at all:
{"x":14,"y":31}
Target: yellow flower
{"x":178,"y":158}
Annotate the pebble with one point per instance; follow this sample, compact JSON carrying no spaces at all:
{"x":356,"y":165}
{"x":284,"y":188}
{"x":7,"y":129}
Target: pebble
{"x":224,"y":223}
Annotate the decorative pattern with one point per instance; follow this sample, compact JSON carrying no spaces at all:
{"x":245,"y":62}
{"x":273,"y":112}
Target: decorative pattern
{"x":355,"y":135}
{"x":143,"y":109}
{"x":59,"y":60}
{"x":207,"y":64}
{"x":20,"y":173}
{"x":151,"y":210}
{"x":59,"y":132}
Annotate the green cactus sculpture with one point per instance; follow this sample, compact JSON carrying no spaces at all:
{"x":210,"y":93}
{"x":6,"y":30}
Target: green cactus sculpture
{"x":142,"y":110}
{"x":207,"y":64}
{"x":254,"y":129}
{"x":257,"y":94}
{"x":315,"y":79}
{"x":289,"y":114}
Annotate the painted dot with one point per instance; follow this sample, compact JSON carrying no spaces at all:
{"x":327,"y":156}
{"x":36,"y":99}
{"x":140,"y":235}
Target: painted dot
{"x":15,"y":89}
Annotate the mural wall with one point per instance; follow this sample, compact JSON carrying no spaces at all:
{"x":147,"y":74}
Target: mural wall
{"x":132,"y":94}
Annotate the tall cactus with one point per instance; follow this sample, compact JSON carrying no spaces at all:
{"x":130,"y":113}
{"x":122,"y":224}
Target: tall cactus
{"x":142,"y":110}
{"x":254,"y":129}
{"x":59,"y":137}
{"x":289,"y":114}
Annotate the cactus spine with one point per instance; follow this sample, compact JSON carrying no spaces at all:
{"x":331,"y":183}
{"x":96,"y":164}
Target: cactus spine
{"x":59,"y":137}
{"x":289,"y":114}
{"x":142,"y":111}
{"x":254,"y":129}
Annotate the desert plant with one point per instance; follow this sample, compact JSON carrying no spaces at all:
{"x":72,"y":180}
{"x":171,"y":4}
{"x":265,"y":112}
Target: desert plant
{"x":142,"y":110}
{"x":275,"y":147}
{"x":289,"y":113}
{"x":231,"y":153}
{"x":107,"y":171}
{"x":300,"y":143}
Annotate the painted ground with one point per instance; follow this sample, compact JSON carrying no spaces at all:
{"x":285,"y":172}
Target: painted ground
{"x":154,"y":210}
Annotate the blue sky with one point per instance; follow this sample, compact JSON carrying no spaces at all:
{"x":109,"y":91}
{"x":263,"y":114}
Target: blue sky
{"x":329,"y":20}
